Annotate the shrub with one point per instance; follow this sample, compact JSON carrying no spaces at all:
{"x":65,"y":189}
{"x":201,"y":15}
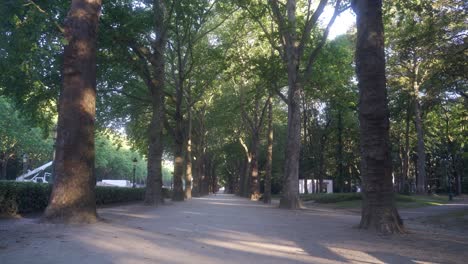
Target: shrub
{"x":331,"y":197}
{"x":27,"y":197}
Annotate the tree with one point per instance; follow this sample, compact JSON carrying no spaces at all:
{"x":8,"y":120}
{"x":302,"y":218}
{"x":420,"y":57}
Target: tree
{"x":292,"y":52}
{"x":73,"y":197}
{"x":378,"y":210}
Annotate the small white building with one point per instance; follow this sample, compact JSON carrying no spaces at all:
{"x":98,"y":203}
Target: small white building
{"x":115,"y":183}
{"x":327,"y":186}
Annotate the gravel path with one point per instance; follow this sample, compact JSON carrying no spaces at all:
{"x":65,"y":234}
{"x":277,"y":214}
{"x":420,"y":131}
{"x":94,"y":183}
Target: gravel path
{"x":221,"y":229}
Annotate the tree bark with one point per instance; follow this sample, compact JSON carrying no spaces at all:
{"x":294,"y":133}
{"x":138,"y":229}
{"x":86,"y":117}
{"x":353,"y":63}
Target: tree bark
{"x":269,"y":161}
{"x":188,"y":158}
{"x":339,"y":154}
{"x":178,"y":192}
{"x":73,"y":197}
{"x":254,"y":176}
{"x":154,"y":182}
{"x":421,"y":162}
{"x":378,"y":209}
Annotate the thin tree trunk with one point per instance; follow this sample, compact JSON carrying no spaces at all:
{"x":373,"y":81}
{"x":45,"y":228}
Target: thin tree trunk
{"x":73,"y":197}
{"x":406,"y":152}
{"x":254,"y":175}
{"x":154,"y":180}
{"x":242,"y":176}
{"x":378,"y":208}
{"x":188,"y":158}
{"x":269,"y":161}
{"x":340,"y":151}
{"x":306,"y":142}
{"x":421,"y":163}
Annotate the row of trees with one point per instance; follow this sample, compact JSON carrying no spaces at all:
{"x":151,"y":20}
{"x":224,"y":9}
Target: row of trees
{"x":210,"y":82}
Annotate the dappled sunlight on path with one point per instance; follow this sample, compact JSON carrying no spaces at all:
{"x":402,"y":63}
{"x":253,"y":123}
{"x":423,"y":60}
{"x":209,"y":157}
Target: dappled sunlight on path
{"x":219,"y":229}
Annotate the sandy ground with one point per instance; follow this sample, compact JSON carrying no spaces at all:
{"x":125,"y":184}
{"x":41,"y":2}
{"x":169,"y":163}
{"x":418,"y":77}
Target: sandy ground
{"x":223,"y":229}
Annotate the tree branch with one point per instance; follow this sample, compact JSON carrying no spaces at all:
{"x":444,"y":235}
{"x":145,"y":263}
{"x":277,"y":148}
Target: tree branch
{"x":316,"y":51}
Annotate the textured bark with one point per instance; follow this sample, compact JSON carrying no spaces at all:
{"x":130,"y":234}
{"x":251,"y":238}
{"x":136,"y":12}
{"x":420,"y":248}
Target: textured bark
{"x":378,"y":210}
{"x":188,"y":159}
{"x":73,"y":196}
{"x":290,"y":193}
{"x":269,"y":158}
{"x":153,"y":192}
{"x":155,"y":83}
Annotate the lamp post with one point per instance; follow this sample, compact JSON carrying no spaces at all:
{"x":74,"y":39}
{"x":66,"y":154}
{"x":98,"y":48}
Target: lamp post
{"x":134,"y":170}
{"x":25,"y":163}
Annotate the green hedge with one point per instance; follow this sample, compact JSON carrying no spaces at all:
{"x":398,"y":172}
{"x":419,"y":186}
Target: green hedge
{"x":331,"y":197}
{"x":27,"y":197}
{"x":342,"y":197}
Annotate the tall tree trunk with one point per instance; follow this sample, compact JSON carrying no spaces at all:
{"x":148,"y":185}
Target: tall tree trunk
{"x":73,"y":197}
{"x":254,"y":175}
{"x":154,"y":180}
{"x":188,"y":157}
{"x":269,"y":160}
{"x":421,"y":165}
{"x":339,"y":154}
{"x":378,"y":208}
{"x":178,"y":192}
{"x":306,"y":142}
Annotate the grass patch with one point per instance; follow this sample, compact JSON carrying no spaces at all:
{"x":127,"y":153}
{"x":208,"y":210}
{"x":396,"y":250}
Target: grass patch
{"x":354,"y":200}
{"x":331,"y":197}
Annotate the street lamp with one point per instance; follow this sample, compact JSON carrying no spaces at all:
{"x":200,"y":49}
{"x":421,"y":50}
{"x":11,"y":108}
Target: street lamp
{"x":134,"y":169}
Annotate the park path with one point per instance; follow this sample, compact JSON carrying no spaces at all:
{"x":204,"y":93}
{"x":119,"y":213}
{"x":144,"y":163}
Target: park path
{"x":221,"y":229}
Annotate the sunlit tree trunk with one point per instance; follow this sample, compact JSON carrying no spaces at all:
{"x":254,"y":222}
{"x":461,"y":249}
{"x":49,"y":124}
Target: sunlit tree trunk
{"x":178,"y":192}
{"x":73,"y":196}
{"x":378,"y":208}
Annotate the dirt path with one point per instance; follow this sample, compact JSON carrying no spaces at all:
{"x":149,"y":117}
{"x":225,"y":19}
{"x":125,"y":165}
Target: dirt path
{"x":221,"y":229}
